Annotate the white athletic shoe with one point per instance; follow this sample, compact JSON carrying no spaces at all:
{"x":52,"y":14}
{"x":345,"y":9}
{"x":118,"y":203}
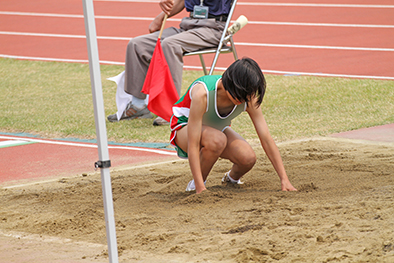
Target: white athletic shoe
{"x":191,"y":186}
{"x":227,"y":179}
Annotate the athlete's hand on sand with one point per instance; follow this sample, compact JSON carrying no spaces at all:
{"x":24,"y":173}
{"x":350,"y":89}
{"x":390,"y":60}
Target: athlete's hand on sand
{"x":286,"y":186}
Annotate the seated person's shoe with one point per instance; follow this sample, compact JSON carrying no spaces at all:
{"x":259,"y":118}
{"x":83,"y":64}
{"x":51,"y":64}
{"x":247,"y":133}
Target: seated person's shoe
{"x":159,"y":121}
{"x":132,"y":112}
{"x":112,"y":117}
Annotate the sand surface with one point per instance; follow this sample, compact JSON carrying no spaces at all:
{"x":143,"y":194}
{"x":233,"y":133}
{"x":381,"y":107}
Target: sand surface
{"x":343,"y":212}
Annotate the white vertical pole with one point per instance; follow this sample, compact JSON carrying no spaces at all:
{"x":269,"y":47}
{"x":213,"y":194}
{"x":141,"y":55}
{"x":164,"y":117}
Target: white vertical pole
{"x":99,"y":115}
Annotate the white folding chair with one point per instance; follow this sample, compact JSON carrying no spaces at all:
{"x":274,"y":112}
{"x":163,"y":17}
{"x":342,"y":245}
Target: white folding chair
{"x":221,"y":48}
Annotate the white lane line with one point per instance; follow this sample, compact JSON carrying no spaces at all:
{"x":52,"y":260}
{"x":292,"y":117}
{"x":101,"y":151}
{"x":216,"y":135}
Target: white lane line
{"x":32,"y":34}
{"x":39,"y":14}
{"x":318,"y":24}
{"x":313,"y":5}
{"x":236,"y":43}
{"x":92,"y":145}
{"x":270,"y":4}
{"x":314,"y":47}
{"x":295,"y":73}
{"x":81,"y":16}
{"x":178,"y":20}
{"x":199,"y":68}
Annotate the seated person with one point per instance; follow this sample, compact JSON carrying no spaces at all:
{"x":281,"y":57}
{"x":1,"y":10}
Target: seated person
{"x":193,"y":34}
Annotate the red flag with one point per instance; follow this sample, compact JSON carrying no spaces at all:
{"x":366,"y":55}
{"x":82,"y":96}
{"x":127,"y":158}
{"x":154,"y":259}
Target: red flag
{"x":159,"y":85}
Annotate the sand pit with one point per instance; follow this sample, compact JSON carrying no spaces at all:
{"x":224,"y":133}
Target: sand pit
{"x":343,"y":211}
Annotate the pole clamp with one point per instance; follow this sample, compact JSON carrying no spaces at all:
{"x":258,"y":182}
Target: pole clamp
{"x":102,"y":164}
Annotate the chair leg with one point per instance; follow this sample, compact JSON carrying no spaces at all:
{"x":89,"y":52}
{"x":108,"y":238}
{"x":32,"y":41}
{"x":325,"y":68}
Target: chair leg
{"x":215,"y":59}
{"x":233,"y":49}
{"x":204,"y":68}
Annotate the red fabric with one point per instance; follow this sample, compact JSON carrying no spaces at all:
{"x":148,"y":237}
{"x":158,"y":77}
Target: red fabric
{"x":159,"y":85}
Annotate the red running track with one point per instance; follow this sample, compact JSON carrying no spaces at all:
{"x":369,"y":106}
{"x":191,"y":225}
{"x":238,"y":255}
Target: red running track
{"x":354,"y":39}
{"x":29,"y":159}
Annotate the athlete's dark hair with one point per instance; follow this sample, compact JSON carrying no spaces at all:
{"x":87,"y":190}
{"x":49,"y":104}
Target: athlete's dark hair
{"x":244,"y":79}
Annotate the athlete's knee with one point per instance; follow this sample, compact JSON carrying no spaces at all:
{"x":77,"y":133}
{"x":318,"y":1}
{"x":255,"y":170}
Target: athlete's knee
{"x":216,"y":143}
{"x":247,"y":159}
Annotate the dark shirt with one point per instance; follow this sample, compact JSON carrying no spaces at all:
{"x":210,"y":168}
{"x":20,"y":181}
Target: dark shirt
{"x":216,"y":7}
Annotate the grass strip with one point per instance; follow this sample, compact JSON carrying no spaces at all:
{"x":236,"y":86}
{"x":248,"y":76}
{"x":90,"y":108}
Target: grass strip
{"x":53,"y":99}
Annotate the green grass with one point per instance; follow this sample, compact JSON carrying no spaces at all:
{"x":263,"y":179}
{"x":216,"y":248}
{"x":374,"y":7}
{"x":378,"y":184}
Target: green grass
{"x":54,"y":100}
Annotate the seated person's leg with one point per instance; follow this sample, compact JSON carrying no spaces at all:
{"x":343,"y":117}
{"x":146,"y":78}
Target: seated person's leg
{"x":138,"y":55}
